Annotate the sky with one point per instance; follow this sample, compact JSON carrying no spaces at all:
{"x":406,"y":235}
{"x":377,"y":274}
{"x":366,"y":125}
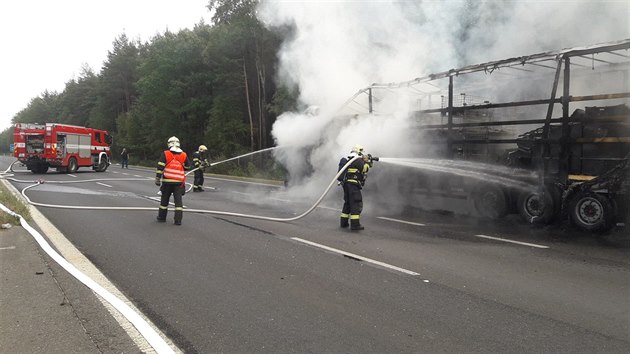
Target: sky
{"x":45,"y":43}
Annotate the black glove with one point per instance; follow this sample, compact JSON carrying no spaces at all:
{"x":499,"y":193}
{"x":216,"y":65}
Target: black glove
{"x":157,"y":181}
{"x":205,"y":163}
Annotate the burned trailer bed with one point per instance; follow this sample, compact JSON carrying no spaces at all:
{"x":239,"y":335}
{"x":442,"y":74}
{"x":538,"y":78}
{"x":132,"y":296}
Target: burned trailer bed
{"x":562,"y":115}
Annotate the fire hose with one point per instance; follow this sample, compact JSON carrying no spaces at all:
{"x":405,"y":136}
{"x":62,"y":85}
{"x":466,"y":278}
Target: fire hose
{"x":199,"y":211}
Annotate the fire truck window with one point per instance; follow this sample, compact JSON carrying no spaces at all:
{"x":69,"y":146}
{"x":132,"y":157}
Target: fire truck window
{"x":97,"y":137}
{"x":108,"y":139}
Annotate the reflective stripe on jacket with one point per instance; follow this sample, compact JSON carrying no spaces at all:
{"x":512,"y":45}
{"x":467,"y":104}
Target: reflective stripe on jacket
{"x":174,"y":169}
{"x":357,"y":171}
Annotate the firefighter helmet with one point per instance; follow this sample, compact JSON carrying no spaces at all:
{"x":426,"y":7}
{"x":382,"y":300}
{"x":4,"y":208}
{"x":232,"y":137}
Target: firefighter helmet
{"x":202,"y":148}
{"x":173,"y":142}
{"x":357,"y":149}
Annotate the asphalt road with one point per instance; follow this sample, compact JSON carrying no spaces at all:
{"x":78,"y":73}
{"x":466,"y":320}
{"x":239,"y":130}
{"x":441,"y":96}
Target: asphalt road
{"x":412,"y":281}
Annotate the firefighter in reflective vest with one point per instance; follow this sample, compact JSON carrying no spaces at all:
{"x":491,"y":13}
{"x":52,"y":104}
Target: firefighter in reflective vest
{"x":171,"y":176}
{"x":200,"y":161}
{"x":352,"y":181}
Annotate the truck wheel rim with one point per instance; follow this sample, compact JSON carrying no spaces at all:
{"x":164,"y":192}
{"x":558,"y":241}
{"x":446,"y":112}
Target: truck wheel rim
{"x":590,"y":210}
{"x":533,"y":206}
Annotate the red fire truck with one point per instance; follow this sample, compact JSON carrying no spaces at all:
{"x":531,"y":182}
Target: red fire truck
{"x":61,"y":146}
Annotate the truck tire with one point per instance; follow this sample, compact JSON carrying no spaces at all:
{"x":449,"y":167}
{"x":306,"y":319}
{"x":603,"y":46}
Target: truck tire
{"x":490,"y":202}
{"x":537,"y":208}
{"x":73,"y":166}
{"x":591,"y":211}
{"x":102,"y":166}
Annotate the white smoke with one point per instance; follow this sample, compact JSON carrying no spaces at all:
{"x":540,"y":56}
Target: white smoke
{"x":340,"y":47}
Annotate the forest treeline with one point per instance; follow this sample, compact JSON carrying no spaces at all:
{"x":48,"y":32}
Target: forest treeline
{"x":214,"y":84}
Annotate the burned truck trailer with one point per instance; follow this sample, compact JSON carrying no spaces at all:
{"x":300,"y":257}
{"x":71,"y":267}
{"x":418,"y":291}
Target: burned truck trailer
{"x":556,"y":121}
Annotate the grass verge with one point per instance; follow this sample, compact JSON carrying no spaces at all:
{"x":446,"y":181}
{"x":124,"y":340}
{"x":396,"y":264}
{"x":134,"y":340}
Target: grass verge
{"x":8,"y":199}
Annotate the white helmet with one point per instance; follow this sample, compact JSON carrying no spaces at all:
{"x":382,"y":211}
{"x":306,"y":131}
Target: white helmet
{"x":357,"y":149}
{"x":173,"y":142}
{"x":202,"y":148}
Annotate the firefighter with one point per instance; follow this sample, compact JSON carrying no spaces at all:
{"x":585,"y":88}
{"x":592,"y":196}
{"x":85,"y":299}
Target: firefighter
{"x":200,"y":160}
{"x":171,"y":176}
{"x":124,"y":158}
{"x":352,"y":181}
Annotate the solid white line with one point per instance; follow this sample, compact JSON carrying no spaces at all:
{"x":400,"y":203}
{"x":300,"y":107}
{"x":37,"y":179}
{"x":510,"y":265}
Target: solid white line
{"x":103,"y":184}
{"x":512,"y":241}
{"x":401,"y":221}
{"x":402,"y":270}
{"x":7,"y":248}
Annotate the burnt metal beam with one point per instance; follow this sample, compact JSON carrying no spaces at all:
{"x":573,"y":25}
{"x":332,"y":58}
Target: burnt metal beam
{"x":450,"y":116}
{"x":529,"y":103}
{"x":593,"y":59}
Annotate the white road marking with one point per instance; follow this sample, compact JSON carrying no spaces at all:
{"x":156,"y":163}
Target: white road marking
{"x":281,"y":200}
{"x":7,"y":248}
{"x":400,"y":221}
{"x":139,"y":176}
{"x":103,"y":184}
{"x":512,"y":241}
{"x":71,"y":175}
{"x":369,"y":260}
{"x":329,"y":208}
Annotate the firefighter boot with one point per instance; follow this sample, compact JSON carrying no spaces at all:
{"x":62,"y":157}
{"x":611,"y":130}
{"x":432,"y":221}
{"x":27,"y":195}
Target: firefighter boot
{"x":355,"y":225}
{"x":343,"y":222}
{"x":178,"y":216}
{"x":162,"y":214}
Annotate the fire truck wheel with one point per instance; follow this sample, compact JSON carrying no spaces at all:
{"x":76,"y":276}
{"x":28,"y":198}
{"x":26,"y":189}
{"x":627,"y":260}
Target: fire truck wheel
{"x":490,"y":202}
{"x":536,"y":208}
{"x":102,"y":166}
{"x":73,"y":166}
{"x":591,"y":211}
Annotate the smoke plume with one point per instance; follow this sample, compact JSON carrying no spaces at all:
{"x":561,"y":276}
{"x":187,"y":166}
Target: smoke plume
{"x":340,"y":47}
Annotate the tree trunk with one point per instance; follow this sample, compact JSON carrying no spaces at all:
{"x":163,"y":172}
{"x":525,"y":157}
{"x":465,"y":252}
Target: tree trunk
{"x":262,"y":129}
{"x":249,"y":109}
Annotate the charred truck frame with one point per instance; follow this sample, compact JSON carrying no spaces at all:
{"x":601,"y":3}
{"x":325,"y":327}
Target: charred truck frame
{"x":502,"y":113}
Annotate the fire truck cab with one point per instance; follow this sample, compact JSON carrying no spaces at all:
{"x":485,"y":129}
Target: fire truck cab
{"x":61,"y":146}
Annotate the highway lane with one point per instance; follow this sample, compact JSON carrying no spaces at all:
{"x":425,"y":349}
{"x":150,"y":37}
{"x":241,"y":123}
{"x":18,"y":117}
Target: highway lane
{"x":220,"y":283}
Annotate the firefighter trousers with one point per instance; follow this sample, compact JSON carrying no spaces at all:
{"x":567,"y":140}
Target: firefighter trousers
{"x":198,"y":182}
{"x":352,"y":204}
{"x":177,"y":190}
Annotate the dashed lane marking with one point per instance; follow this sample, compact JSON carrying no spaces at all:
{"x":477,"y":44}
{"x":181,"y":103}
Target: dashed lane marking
{"x":511,"y":241}
{"x":480,"y":236}
{"x":103,"y":184}
{"x":401,"y":221}
{"x":356,"y":256}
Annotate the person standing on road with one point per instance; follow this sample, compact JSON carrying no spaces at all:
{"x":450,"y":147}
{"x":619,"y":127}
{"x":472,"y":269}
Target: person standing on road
{"x":200,"y":161}
{"x":124,"y":158}
{"x":352,"y":181}
{"x":171,"y":178}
